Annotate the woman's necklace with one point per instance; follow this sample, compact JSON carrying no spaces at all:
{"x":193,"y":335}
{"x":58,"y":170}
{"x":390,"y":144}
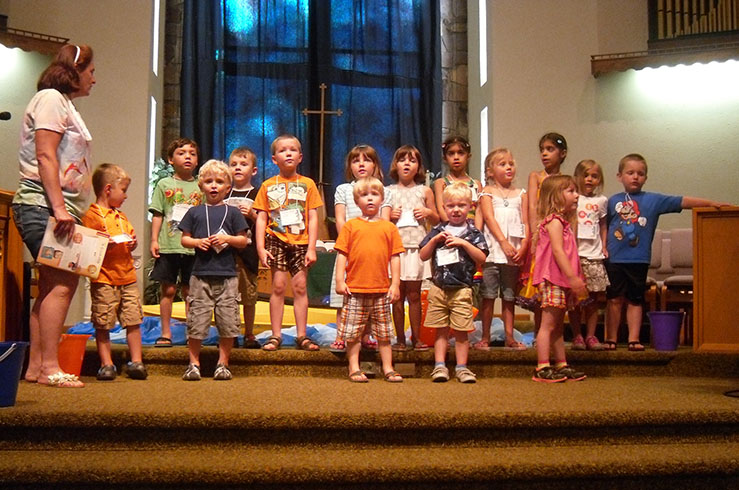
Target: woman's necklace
{"x":503,"y":196}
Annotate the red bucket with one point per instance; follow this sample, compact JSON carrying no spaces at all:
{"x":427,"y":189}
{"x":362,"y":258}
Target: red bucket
{"x":72,"y":352}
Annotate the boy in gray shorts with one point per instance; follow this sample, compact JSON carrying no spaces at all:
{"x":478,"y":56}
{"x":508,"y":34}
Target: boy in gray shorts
{"x":214,"y":230}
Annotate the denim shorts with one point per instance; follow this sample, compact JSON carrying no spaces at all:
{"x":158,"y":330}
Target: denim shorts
{"x":31,"y":222}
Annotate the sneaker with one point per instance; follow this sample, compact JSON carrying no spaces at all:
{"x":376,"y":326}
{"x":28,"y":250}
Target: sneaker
{"x":570,"y":374}
{"x":192,"y":373}
{"x":464,"y":375}
{"x":440,"y":374}
{"x":578,"y":343}
{"x":222,"y":373}
{"x":593,"y":344}
{"x":548,"y":375}
{"x":107,"y":373}
{"x":136,"y":370}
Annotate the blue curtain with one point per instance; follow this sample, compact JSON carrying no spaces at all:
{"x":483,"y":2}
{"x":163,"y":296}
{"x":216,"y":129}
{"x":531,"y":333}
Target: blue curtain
{"x":251,"y":66}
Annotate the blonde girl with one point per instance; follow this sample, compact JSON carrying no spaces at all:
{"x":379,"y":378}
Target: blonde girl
{"x":557,"y":275}
{"x":456,"y":153}
{"x":361,"y":161}
{"x":592,"y":207}
{"x":503,"y":217}
{"x":412,"y":207}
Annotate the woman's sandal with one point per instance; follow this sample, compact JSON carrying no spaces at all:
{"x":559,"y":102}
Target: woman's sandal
{"x":272,"y":344}
{"x":306,"y":343}
{"x":393,"y":377}
{"x":609,"y":345}
{"x":514,"y":346}
{"x":636,"y":346}
{"x":481,"y":345}
{"x":358,"y":377}
{"x":63,"y":380}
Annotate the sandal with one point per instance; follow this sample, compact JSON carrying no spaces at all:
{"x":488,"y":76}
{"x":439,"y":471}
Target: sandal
{"x":163,"y":342}
{"x":250,"y":343}
{"x":272,"y":344}
{"x":398,"y":347}
{"x":62,"y":380}
{"x":420,"y":347}
{"x":481,"y":345}
{"x":514,"y":346}
{"x":609,"y":345}
{"x":337,"y":346}
{"x":393,"y":377}
{"x":636,"y":346}
{"x":306,"y":343}
{"x":369,"y":345}
{"x":358,"y":377}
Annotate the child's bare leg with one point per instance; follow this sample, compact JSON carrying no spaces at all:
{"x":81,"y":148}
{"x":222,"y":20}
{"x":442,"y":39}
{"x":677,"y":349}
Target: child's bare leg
{"x":386,"y":355}
{"x":550,"y":318}
{"x":633,"y":319}
{"x":193,"y":347}
{"x":508,"y":310}
{"x":557,"y":338}
{"x":300,"y":301}
{"x":486,"y":308}
{"x":399,"y":315}
{"x":102,"y":340}
{"x":575,"y":321}
{"x":185,"y":291}
{"x":250,"y":312}
{"x":441,"y":344}
{"x":591,"y":317}
{"x":413,"y":293}
{"x":166,"y":299}
{"x":277,"y":301}
{"x":224,"y":349}
{"x":133,"y":339}
{"x":537,"y":321}
{"x":461,"y":347}
{"x":613,"y":318}
{"x":352,"y":354}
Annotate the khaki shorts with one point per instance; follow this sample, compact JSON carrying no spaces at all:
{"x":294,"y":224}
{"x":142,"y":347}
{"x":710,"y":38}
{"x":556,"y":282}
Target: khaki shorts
{"x":450,"y":308}
{"x":247,"y":283}
{"x":209,"y":296}
{"x":111,"y":303}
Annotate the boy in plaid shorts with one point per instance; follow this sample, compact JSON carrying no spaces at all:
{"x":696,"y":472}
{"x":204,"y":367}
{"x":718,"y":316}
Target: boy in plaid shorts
{"x":286,"y":234}
{"x":365,"y":246}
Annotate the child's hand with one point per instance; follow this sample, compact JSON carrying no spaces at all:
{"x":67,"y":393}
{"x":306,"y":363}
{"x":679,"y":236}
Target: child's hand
{"x":395,"y":214}
{"x":519,"y":256}
{"x":393,"y":293}
{"x":154,"y":249}
{"x":605,"y":252}
{"x":245,"y":209}
{"x":310,"y":257}
{"x":421,"y":213}
{"x":454,"y":241}
{"x":203,"y":244}
{"x":265,"y":257}
{"x":441,"y":237}
{"x":578,"y":287}
{"x":219,"y":240}
{"x":133,"y":243}
{"x":342,"y":289}
{"x":508,"y":249}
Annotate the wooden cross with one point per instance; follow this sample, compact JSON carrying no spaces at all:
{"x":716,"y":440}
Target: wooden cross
{"x":322,"y":112}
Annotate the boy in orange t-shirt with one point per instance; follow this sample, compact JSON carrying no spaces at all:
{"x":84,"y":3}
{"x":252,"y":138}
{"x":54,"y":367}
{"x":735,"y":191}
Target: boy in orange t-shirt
{"x":366,"y":245}
{"x":114,"y":293}
{"x":286,"y":234}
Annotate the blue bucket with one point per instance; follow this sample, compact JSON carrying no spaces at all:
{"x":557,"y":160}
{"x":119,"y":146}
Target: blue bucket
{"x":12,"y":355}
{"x":666,"y":329}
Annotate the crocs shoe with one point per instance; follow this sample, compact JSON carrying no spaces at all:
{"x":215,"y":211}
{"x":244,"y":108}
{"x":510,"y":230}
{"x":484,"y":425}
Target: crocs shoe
{"x":192,"y":373}
{"x":222,"y":373}
{"x":548,"y":375}
{"x":578,"y":343}
{"x":440,"y":374}
{"x":464,"y":375}
{"x":136,"y":370}
{"x":570,"y":374}
{"x":107,"y":373}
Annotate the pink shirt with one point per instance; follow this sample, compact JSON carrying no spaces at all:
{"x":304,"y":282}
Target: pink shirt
{"x":546,"y":267}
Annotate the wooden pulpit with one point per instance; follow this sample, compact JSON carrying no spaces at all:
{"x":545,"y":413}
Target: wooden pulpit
{"x":11,"y":280}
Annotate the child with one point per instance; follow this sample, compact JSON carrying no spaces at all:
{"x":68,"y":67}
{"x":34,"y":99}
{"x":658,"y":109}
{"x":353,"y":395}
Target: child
{"x":361,"y":161}
{"x":632,"y":220}
{"x":214,"y":230}
{"x":366,"y":246}
{"x":457,"y":248}
{"x":286,"y":234}
{"x":557,"y":275}
{"x":503,"y":217}
{"x":412,"y":206}
{"x":114,"y":293}
{"x":591,"y":236}
{"x":171,"y":199}
{"x":243,"y":163}
{"x":456,"y":154}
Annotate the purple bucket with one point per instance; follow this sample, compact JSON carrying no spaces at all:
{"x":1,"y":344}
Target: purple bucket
{"x":666,"y":329}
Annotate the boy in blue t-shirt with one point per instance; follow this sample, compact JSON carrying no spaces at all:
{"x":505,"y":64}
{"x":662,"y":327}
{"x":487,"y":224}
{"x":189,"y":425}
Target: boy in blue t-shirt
{"x":214,"y":230}
{"x":632,"y":221}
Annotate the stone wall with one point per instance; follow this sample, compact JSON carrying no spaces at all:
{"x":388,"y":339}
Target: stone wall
{"x":453,"y":69}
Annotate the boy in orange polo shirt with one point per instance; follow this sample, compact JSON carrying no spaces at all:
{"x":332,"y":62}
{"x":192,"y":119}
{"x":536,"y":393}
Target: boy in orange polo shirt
{"x":366,"y":245}
{"x":114,"y":293}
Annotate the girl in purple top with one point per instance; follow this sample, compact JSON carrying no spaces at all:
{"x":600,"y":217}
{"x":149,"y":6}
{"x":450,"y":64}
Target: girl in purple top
{"x":557,"y":275}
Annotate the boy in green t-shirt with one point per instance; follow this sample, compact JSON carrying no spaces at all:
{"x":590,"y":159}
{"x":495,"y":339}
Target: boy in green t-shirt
{"x":171,"y":199}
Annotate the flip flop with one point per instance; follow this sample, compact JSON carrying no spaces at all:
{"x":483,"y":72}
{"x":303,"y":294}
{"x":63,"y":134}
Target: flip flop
{"x":393,"y":377}
{"x":514,"y":346}
{"x":163,"y":342}
{"x":398,"y":347}
{"x":481,"y":345}
{"x":62,"y":380}
{"x":636,"y":346}
{"x":358,"y":377}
